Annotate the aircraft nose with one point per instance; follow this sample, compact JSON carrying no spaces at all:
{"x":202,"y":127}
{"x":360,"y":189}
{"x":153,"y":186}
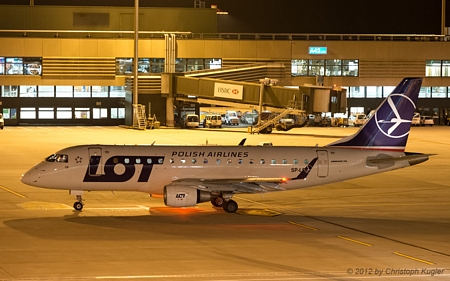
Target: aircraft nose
{"x":26,"y":178}
{"x":29,"y":178}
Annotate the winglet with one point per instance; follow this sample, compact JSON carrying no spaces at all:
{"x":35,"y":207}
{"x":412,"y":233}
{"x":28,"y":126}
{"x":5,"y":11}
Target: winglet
{"x":389,"y":126}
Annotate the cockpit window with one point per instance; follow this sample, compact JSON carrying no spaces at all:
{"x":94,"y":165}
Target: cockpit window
{"x":57,"y":158}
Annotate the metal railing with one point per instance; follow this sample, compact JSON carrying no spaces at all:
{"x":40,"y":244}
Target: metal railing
{"x":224,"y":36}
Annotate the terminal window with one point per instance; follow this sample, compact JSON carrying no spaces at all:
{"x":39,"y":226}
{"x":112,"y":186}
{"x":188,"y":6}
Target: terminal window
{"x":27,"y":91}
{"x":124,"y":66}
{"x":9,"y":113}
{"x":20,"y":66}
{"x":437,"y":68}
{"x":9,"y":91}
{"x":333,"y":67}
{"x":438,"y":92}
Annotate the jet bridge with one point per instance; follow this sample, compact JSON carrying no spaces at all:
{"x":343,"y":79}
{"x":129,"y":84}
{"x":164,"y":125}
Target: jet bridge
{"x":277,"y":99}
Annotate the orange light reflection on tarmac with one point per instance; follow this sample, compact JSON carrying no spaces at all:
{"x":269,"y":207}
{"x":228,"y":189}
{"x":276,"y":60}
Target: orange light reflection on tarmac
{"x":179,"y":211}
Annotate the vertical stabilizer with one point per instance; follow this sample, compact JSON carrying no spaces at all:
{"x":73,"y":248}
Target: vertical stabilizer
{"x":389,"y":126}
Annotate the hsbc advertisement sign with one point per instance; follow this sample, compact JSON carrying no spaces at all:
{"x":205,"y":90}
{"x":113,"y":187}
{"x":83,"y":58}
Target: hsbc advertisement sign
{"x":229,"y":91}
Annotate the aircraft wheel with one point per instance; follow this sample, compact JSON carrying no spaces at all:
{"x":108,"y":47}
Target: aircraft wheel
{"x":217,"y":201}
{"x":230,"y":206}
{"x":78,"y":206}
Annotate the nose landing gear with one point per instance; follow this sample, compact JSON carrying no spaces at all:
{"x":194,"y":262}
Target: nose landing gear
{"x":78,"y":205}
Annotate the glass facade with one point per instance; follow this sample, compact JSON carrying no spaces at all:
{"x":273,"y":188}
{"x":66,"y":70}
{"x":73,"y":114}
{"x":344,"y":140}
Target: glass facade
{"x":334,"y":67}
{"x":384,"y":91}
{"x":20,"y":66}
{"x":374,"y":92}
{"x":67,"y":96}
{"x":149,"y":66}
{"x":437,"y":68}
{"x":82,"y":91}
{"x":433,"y":68}
{"x":9,"y":113}
{"x":28,"y":91}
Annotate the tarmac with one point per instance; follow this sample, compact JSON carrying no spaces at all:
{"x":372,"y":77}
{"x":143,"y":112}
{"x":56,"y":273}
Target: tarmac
{"x":391,"y":226}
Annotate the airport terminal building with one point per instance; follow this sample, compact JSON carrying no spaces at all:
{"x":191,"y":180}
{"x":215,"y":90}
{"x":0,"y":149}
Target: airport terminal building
{"x":73,"y":65}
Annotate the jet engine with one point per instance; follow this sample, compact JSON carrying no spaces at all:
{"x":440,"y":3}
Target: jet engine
{"x":184,"y":196}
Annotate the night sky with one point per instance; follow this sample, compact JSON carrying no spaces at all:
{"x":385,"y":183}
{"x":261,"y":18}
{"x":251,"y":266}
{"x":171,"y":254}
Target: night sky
{"x":303,"y":16}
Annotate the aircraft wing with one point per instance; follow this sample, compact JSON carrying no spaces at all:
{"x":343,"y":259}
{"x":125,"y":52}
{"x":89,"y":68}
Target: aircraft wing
{"x":237,"y":185}
{"x":243,"y":185}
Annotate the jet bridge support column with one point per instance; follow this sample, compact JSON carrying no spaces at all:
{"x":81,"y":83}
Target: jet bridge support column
{"x":168,"y":89}
{"x":261,"y":94}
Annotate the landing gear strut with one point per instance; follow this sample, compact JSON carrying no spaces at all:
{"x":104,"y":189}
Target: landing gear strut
{"x":78,"y":205}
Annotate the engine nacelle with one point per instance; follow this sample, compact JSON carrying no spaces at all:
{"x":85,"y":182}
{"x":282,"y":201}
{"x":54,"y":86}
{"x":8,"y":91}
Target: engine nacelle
{"x":184,"y":196}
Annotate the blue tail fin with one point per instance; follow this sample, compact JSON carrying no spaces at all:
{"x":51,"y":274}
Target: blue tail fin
{"x":389,"y":126}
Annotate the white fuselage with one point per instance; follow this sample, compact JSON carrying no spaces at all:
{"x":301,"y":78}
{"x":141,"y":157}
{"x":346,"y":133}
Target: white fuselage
{"x":150,"y":168}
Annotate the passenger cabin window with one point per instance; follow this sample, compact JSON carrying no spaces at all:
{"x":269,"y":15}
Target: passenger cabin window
{"x":262,"y":161}
{"x":160,"y":160}
{"x":240,"y":161}
{"x":63,"y":158}
{"x":183,"y":161}
{"x":273,"y":161}
{"x":149,"y":160}
{"x":205,"y":161}
{"x":295,"y":161}
{"x":194,"y":160}
{"x":229,"y":161}
{"x":218,"y":161}
{"x":171,"y":161}
{"x":251,"y":161}
{"x":284,"y":161}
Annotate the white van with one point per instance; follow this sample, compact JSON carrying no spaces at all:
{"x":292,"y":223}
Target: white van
{"x":231,"y":118}
{"x":357,"y":119}
{"x":191,"y":121}
{"x":416,"y":119}
{"x":212,"y":121}
{"x":426,"y":120}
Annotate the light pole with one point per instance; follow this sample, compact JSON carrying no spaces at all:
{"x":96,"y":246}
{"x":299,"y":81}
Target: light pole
{"x":136,"y":58}
{"x":443,"y":18}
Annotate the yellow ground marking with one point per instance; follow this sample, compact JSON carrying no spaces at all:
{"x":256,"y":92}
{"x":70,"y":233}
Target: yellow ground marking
{"x":354,"y":241}
{"x":12,"y":192}
{"x":413,"y":258}
{"x":302,"y":225}
{"x":258,"y":212}
{"x":35,"y":205}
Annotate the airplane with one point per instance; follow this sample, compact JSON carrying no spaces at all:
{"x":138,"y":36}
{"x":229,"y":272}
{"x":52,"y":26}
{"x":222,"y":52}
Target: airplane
{"x":188,"y":175}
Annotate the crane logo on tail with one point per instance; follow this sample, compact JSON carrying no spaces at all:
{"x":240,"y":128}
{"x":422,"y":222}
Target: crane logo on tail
{"x":390,"y":121}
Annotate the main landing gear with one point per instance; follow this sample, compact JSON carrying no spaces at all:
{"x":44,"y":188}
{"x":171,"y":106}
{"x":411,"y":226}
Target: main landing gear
{"x":229,"y":206}
{"x":78,"y":205}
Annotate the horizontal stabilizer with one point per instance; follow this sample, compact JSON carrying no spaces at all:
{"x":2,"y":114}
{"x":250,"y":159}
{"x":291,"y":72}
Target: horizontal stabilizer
{"x":384,"y":161}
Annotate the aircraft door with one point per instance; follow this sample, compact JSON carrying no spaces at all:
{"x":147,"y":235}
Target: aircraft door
{"x":322,"y":163}
{"x":95,"y":161}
